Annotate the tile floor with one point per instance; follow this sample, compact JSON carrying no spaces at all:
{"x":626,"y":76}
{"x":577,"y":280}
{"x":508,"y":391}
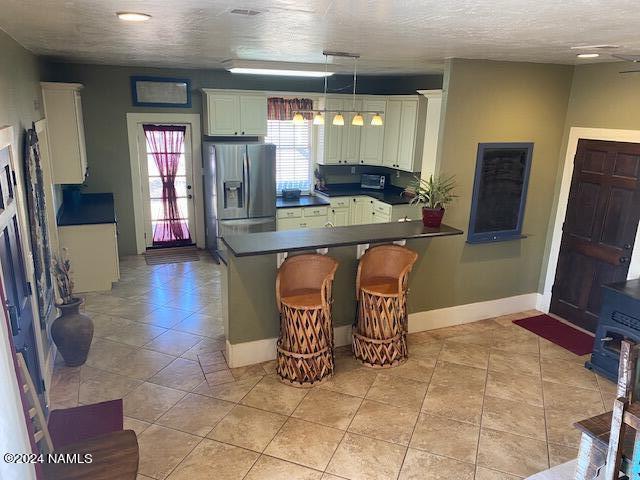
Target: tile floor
{"x":484,"y":401}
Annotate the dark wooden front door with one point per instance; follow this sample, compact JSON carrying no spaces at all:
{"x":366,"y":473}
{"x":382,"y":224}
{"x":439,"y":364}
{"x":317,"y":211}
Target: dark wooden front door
{"x":599,"y":228}
{"x":14,"y":274}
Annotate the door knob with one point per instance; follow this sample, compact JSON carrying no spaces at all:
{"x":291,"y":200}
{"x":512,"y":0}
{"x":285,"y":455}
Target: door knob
{"x":189,"y":196}
{"x":188,"y":187}
{"x":626,"y":246}
{"x":624,"y":260}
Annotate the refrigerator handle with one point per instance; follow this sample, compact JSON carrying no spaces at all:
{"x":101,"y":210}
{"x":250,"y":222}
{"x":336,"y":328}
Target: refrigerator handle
{"x":247,"y":185}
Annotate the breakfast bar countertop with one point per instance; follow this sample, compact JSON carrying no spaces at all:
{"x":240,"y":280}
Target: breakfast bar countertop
{"x":314,"y":238}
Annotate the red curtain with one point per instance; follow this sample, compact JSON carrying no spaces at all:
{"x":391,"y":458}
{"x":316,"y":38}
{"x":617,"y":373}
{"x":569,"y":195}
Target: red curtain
{"x":166,"y":144}
{"x":284,"y":108}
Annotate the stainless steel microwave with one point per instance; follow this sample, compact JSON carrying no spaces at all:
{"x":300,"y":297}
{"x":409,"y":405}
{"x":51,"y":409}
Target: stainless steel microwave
{"x":374,"y":182}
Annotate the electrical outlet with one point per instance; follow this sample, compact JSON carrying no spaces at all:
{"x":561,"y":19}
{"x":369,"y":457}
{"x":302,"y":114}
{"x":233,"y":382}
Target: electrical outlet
{"x":353,"y":170}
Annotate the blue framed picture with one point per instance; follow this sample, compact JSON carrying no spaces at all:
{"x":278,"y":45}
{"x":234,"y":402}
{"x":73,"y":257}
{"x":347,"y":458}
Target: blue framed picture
{"x":160,"y":92}
{"x":499,"y":192}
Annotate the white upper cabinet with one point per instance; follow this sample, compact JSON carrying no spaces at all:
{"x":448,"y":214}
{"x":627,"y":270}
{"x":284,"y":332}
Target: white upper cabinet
{"x":253,"y":115}
{"x":63,"y":110}
{"x":404,"y":132}
{"x":351,"y":135}
{"x":231,"y":113}
{"x":333,"y":135}
{"x":372,"y":136}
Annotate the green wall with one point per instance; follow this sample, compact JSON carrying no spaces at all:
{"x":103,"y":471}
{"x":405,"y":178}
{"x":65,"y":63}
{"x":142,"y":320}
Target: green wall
{"x":601,"y":97}
{"x":106,"y":99}
{"x":489,"y":101}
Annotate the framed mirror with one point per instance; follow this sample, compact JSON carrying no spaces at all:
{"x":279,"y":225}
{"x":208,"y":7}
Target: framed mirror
{"x":499,"y":191}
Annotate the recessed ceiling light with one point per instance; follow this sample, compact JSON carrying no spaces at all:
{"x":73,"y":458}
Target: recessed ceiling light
{"x":133,"y":16}
{"x":588,"y":55}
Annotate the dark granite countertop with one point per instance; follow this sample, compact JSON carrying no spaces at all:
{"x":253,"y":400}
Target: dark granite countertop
{"x":89,"y":209}
{"x":630,"y":288}
{"x":313,"y":238}
{"x":391,"y":194}
{"x":303,"y":201}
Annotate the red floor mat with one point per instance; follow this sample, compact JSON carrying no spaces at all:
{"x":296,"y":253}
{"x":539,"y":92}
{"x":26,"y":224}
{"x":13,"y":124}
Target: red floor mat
{"x":559,"y":333}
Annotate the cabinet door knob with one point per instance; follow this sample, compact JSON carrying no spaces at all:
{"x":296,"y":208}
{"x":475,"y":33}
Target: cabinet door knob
{"x":243,"y":133}
{"x":235,"y":133}
{"x":624,"y":260}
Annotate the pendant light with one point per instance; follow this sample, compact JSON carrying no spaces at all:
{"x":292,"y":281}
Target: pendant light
{"x":376,"y":120}
{"x":318,"y":119}
{"x":358,"y":120}
{"x":298,"y":119}
{"x":338,"y":120}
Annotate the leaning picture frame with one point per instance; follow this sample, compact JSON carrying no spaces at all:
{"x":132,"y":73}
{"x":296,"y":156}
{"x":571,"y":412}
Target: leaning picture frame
{"x":160,"y":92}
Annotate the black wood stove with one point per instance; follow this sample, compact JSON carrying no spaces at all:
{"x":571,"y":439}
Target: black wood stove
{"x":619,"y":320}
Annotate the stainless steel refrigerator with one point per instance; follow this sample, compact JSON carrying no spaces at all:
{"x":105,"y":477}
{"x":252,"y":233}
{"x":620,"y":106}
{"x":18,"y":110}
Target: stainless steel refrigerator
{"x":239,"y":190}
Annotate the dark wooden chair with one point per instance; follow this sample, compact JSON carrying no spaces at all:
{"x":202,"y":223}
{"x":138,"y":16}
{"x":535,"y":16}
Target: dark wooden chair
{"x":94,"y":430}
{"x":612,"y":440}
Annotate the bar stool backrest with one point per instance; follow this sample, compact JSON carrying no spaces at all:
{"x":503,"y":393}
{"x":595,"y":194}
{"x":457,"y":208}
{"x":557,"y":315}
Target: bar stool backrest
{"x":386,"y":261}
{"x":306,"y":272}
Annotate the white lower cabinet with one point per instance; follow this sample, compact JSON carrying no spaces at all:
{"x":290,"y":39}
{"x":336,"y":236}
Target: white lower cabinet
{"x":307,"y":217}
{"x":93,"y":253}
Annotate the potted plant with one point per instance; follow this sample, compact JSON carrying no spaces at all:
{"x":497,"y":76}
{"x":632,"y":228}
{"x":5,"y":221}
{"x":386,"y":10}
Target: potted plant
{"x":72,"y":331}
{"x":434,"y":194}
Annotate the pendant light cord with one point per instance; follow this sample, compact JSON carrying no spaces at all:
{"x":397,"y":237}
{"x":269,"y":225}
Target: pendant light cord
{"x":355,"y":76}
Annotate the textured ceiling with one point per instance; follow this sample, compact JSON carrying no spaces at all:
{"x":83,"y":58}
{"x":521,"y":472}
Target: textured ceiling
{"x":393,"y":36}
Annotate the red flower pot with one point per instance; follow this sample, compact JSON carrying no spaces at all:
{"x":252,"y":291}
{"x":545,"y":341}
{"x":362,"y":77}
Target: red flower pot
{"x":432,"y":217}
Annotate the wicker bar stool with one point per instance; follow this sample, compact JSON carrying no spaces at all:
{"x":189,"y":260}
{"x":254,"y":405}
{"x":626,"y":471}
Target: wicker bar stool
{"x":380,"y":332}
{"x":303,"y":296}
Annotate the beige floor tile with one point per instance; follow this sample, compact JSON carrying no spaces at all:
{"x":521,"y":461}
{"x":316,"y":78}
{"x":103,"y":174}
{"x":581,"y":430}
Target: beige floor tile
{"x":514,"y":363}
{"x":205,"y":346}
{"x":274,"y":396}
{"x":397,"y":391}
{"x":483,"y":339}
{"x":195,"y":414}
{"x":133,"y":310}
{"x":313,"y":408}
{"x":189,"y":302}
{"x":419,"y":465}
{"x":162,"y":449}
{"x":516,"y":340}
{"x":550,"y":350}
{"x":149,"y":402}
{"x":248,"y":427}
{"x":427,"y":351}
{"x":483,"y":473}
{"x":143,"y":364}
{"x":181,"y":374}
{"x":384,"y":422}
{"x":363,"y":458}
{"x":65,"y":385}
{"x":560,"y":429}
{"x":166,"y":317}
{"x":568,"y":373}
{"x":448,"y":332}
{"x":199,"y":324}
{"x":305,"y":443}
{"x":511,"y":454}
{"x":211,"y":459}
{"x":231,"y":392}
{"x":512,"y":417}
{"x":436,"y":435}
{"x":354,"y":382}
{"x":108,"y":355}
{"x":99,"y":386}
{"x":137,"y":426}
{"x":212,"y":362}
{"x":414,"y":368}
{"x":107,"y":325}
{"x":135,"y":333}
{"x":561,"y":454}
{"x":173,"y":343}
{"x":269,"y":468}
{"x":515,"y":387}
{"x":567,"y":397}
{"x":419,"y":337}
{"x":269,"y":367}
{"x":448,"y":374}
{"x":465,"y":354}
{"x":456,"y":402}
{"x":242,"y":373}
{"x":219,"y":377}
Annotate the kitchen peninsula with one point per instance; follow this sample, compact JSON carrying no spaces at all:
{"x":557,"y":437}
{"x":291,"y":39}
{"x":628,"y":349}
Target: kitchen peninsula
{"x":250,"y":313}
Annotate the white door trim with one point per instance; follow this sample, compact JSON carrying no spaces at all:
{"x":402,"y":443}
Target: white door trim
{"x":192,"y":119}
{"x":575,"y":134}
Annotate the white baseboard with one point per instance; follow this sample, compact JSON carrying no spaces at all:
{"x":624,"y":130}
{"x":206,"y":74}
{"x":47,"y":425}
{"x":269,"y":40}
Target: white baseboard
{"x":248,"y":353}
